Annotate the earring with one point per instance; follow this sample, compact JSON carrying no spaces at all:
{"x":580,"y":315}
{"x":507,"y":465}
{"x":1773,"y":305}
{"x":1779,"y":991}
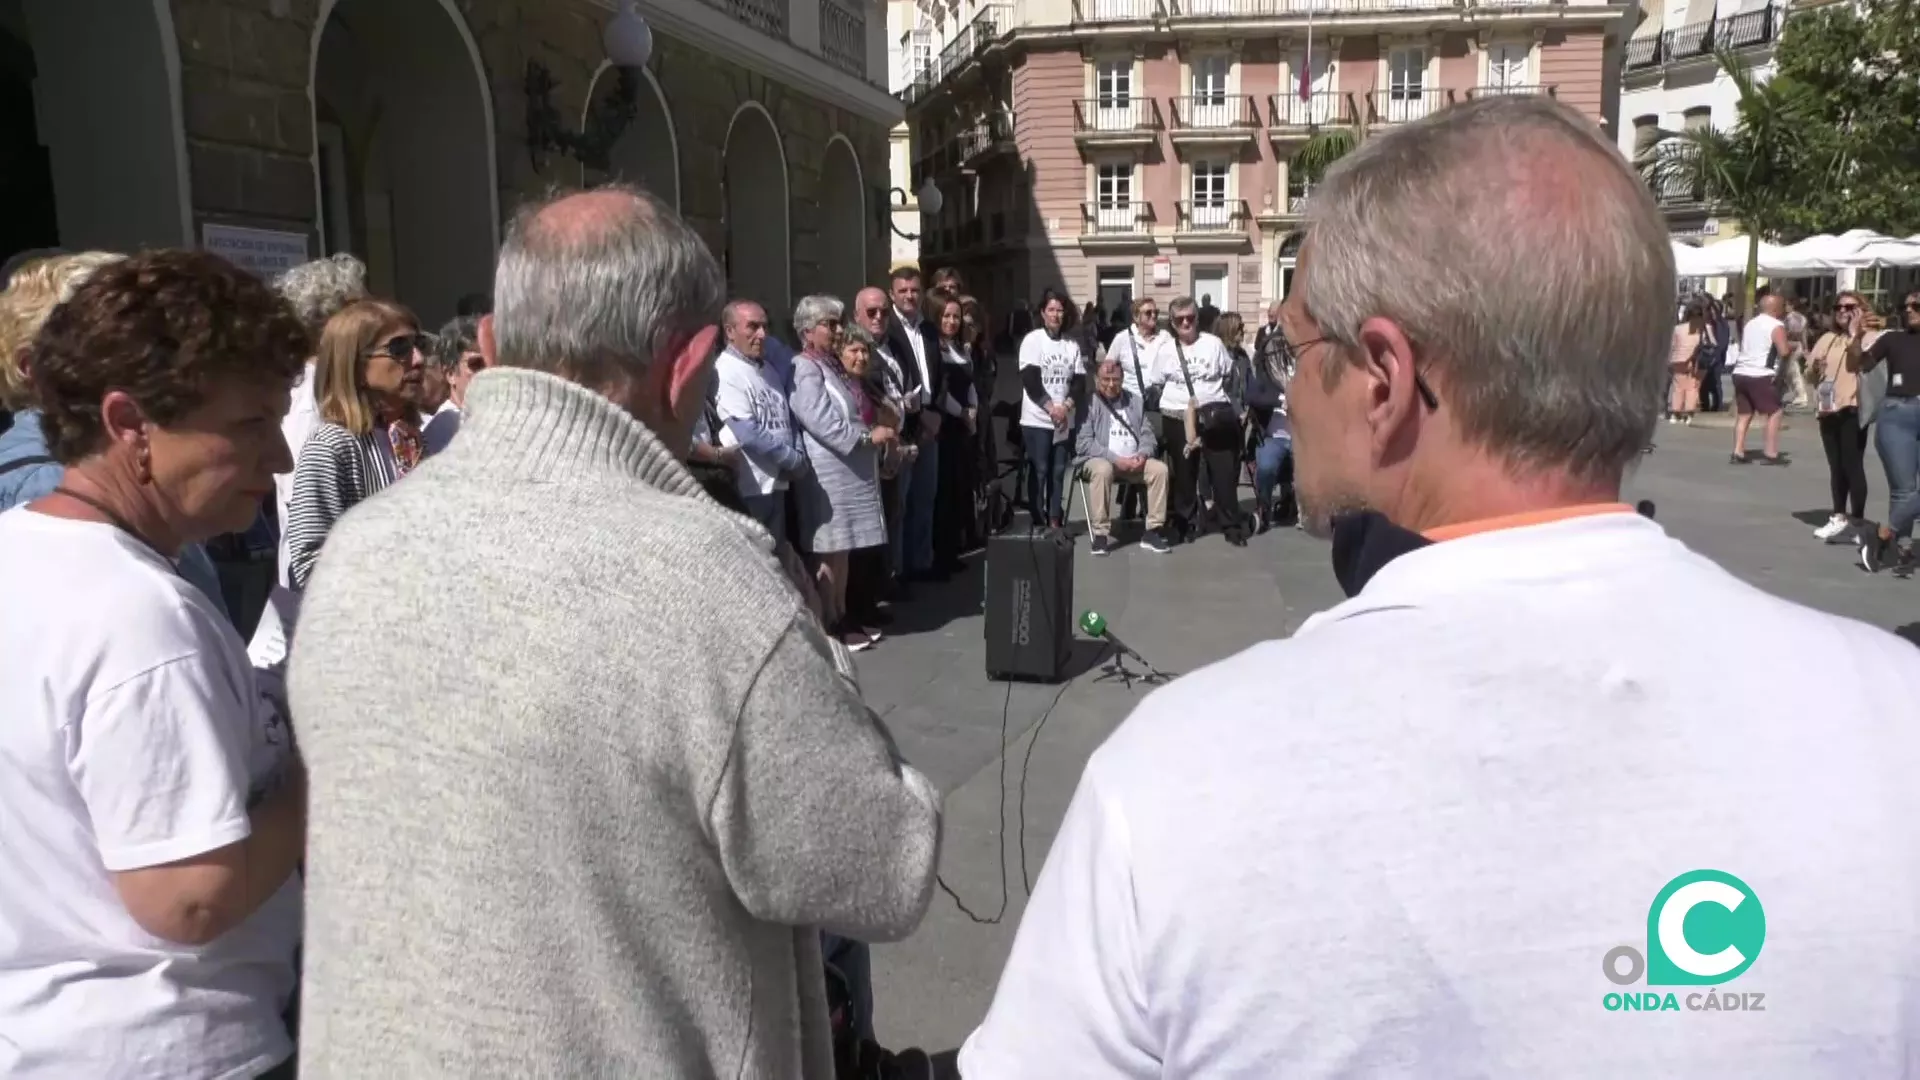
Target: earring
{"x":145,"y":465}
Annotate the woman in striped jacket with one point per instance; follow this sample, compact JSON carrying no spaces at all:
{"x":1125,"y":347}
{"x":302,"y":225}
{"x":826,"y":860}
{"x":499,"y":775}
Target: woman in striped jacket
{"x":367,"y":382}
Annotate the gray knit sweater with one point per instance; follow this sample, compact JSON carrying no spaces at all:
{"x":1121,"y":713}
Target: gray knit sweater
{"x":585,"y":780}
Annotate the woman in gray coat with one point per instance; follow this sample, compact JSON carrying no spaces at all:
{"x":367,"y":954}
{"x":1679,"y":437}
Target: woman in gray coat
{"x":843,"y":429}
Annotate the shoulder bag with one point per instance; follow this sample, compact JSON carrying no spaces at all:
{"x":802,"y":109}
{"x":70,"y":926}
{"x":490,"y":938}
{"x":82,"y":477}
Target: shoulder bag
{"x":1149,"y":396}
{"x":1214,"y":420}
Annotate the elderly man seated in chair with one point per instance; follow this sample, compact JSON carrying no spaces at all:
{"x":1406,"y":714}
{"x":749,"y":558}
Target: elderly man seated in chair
{"x":1116,"y":444}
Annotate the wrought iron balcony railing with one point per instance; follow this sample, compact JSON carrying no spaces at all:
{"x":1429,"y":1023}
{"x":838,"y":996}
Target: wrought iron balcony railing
{"x":1686,"y":42}
{"x":1511,"y":89}
{"x":1214,"y":112}
{"x":843,"y":36}
{"x":1400,"y":106}
{"x":1747,"y":29}
{"x":1115,"y":116}
{"x":1115,"y":219}
{"x":1212,"y":217}
{"x":767,"y":16}
{"x":1317,"y":108}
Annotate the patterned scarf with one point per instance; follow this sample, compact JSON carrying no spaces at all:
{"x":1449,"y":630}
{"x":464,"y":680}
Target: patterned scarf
{"x":862,"y":404}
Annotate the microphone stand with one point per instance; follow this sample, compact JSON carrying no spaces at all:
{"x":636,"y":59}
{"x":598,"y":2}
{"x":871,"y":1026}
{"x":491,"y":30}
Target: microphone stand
{"x":1116,"y":670}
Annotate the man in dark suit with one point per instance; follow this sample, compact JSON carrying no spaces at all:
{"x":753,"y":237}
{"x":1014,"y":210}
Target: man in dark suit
{"x":914,"y":342}
{"x":1267,"y":329}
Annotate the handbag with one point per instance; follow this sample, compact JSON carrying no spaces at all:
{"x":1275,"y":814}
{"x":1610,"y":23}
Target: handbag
{"x":1149,"y":396}
{"x":1216,"y":419}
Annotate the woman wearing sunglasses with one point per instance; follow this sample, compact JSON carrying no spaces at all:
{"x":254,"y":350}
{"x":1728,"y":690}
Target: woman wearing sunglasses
{"x":1834,"y":368}
{"x":367,"y":378}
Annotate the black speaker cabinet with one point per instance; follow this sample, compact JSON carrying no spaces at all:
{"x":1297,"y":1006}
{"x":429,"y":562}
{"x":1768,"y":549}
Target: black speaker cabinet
{"x":1029,"y":606}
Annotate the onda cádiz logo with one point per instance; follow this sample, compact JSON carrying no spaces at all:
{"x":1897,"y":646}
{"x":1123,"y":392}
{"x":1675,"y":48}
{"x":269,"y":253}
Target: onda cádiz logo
{"x":1705,"y":928}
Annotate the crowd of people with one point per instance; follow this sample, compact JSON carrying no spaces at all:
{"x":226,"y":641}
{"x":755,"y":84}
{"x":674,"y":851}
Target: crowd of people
{"x":546,"y":754}
{"x":1856,"y":370}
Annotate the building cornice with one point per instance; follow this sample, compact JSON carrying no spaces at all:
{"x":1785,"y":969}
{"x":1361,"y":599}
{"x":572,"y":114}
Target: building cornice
{"x":717,"y":32}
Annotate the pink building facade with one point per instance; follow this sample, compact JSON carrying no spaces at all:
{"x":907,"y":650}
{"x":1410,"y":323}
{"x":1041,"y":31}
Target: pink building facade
{"x":1126,"y":148}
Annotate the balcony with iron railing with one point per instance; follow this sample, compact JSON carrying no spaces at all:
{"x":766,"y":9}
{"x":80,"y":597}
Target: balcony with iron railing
{"x":1117,"y":11}
{"x":843,"y":35}
{"x":1698,"y":40}
{"x":767,"y":16}
{"x":1748,"y":29}
{"x":992,"y":134}
{"x":1290,"y":112}
{"x":1116,"y":121}
{"x":1176,"y":11}
{"x":1211,"y":221}
{"x":1405,"y":105}
{"x":1213,"y":118}
{"x":1115,"y":222}
{"x":1687,"y":42}
{"x":1513,"y":90}
{"x":1678,"y":192}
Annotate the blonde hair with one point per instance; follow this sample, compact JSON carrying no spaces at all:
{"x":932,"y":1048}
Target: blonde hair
{"x":1230,"y":329}
{"x":31,"y":295}
{"x":340,"y":362}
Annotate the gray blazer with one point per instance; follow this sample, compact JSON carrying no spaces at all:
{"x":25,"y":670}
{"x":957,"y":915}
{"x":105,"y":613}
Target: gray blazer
{"x":839,"y":498}
{"x":1098,"y":419}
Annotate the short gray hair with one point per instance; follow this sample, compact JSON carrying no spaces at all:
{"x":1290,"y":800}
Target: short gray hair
{"x":319,"y":289}
{"x":455,"y":340}
{"x":1555,"y":360}
{"x":1181,"y":303}
{"x":854,"y":334}
{"x":589,"y":292}
{"x":811,"y":311}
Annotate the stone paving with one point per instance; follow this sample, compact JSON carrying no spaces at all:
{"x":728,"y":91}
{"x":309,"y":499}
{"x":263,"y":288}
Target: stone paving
{"x":1207,"y":601}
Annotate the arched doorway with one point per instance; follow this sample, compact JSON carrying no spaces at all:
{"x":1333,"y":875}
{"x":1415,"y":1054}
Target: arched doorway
{"x":648,"y":152}
{"x":404,"y":150}
{"x":843,"y":219}
{"x":90,"y":132}
{"x":758,"y":243}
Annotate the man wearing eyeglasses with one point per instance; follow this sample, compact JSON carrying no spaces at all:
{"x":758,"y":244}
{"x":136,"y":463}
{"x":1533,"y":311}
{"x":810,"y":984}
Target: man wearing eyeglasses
{"x":1421,"y":855}
{"x":1897,"y":438}
{"x":456,"y":360}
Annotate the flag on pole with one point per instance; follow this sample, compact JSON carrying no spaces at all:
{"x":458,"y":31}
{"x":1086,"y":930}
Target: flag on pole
{"x":1306,"y":67}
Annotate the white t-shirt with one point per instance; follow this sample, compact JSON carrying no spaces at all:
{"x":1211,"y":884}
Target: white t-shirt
{"x":743,"y":393}
{"x":1756,"y":341}
{"x":1120,"y":441}
{"x":1059,"y":361}
{"x":1417,"y":868}
{"x":1208,"y":364}
{"x":303,"y":415}
{"x":134,"y":735}
{"x":1140,"y":356}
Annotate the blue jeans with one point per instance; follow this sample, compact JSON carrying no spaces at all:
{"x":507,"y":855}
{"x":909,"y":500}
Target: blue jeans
{"x":915,"y":535}
{"x":1269,"y":460}
{"x":1047,"y":463}
{"x":1897,"y":437}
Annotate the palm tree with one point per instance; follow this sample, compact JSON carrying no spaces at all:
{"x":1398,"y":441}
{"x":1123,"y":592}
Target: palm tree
{"x":1328,"y":144}
{"x":1752,"y":171}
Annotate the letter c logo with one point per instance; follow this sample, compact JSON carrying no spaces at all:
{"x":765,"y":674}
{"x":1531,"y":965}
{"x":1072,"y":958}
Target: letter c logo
{"x":1673,"y":934}
{"x":1728,"y":928}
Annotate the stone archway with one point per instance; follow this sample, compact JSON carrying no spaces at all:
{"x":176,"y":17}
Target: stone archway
{"x":404,"y":149}
{"x":100,"y":82}
{"x":843,"y":219}
{"x":648,"y":152}
{"x":758,"y":236}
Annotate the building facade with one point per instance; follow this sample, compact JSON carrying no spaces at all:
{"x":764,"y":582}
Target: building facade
{"x":1671,"y":80}
{"x":399,"y":130}
{"x":1126,"y":148}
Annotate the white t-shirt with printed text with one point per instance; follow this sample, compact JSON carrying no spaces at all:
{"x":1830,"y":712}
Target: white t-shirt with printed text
{"x":1208,"y":365}
{"x":742,"y":392}
{"x":134,"y":735}
{"x":1059,"y":361}
{"x":1139,"y":356}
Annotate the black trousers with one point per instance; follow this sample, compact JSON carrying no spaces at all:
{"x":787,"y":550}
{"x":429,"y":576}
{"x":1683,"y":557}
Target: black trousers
{"x":1844,"y":438}
{"x":1712,"y":396}
{"x":1219,"y":457}
{"x":953,"y":517}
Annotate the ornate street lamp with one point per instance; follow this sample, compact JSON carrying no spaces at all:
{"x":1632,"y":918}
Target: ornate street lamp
{"x":930,"y":200}
{"x":628,"y":42}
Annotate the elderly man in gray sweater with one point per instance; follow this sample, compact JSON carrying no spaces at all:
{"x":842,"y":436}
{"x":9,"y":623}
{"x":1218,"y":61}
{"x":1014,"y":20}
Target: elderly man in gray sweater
{"x":1116,"y":443}
{"x":588,"y":780}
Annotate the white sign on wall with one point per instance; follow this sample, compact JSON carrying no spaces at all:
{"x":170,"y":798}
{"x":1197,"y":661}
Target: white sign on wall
{"x":1162,"y":271}
{"x":258,"y":251}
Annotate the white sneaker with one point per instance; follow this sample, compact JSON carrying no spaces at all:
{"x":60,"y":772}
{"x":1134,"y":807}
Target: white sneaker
{"x":1835,"y":525}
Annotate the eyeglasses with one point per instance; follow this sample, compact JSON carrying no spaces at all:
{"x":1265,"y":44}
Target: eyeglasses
{"x":401,"y":347}
{"x":1290,"y":355}
{"x":1913,"y":305}
{"x":872,"y":311}
{"x":1849,"y":307}
{"x":475,"y":363}
{"x":1182,"y":320}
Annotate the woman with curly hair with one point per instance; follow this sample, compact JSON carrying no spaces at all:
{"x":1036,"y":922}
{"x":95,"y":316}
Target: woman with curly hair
{"x":155,"y":808}
{"x":367,"y":380}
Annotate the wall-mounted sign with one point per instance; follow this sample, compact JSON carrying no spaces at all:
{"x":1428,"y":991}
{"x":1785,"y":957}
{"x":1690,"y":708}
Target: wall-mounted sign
{"x":1162,"y":270}
{"x":258,"y":251}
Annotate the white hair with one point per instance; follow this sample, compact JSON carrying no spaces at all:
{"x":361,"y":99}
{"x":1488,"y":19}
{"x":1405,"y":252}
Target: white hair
{"x":811,"y":311}
{"x":317,"y":290}
{"x":1554,"y":357}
